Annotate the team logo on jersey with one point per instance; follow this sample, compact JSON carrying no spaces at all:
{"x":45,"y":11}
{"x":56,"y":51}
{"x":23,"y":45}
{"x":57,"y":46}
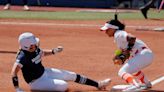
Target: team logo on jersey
{"x":37,"y":59}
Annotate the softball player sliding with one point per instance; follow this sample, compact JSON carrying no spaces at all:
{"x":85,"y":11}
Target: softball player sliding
{"x":135,"y":51}
{"x":40,"y":78}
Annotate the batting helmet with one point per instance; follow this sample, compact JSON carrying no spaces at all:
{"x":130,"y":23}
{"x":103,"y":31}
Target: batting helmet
{"x":26,"y":40}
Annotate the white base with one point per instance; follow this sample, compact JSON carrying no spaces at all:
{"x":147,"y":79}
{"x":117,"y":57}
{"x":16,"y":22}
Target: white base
{"x":118,"y":88}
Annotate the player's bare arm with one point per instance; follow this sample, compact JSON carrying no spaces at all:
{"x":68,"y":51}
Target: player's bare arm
{"x":47,"y":52}
{"x":131,"y":41}
{"x":53,"y":51}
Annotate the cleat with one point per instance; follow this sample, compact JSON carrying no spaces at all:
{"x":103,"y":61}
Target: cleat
{"x":103,"y":84}
{"x":148,"y":85}
{"x":134,"y":88}
{"x":144,"y":12}
{"x":142,"y":87}
{"x":26,"y":8}
{"x":7,"y":7}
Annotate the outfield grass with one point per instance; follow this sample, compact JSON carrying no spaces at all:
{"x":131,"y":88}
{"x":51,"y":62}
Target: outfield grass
{"x":76,"y":15}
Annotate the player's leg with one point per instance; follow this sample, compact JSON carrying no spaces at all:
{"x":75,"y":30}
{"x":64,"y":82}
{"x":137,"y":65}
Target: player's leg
{"x":7,"y":6}
{"x":128,"y":77}
{"x":144,"y":9}
{"x":137,"y":63}
{"x":47,"y":84}
{"x":72,"y":76}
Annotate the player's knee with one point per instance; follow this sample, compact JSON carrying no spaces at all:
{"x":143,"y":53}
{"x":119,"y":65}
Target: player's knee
{"x":121,"y":72}
{"x":69,"y":76}
{"x":62,"y":87}
{"x":65,"y":86}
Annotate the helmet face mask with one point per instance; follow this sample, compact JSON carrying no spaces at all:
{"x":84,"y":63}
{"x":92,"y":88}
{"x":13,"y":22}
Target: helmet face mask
{"x":26,"y":40}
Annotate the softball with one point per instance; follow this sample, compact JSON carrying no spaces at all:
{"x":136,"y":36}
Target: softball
{"x":117,"y":52}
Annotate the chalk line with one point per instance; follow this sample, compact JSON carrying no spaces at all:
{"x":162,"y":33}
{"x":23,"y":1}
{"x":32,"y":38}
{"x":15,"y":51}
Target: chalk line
{"x":157,"y":80}
{"x":64,"y":24}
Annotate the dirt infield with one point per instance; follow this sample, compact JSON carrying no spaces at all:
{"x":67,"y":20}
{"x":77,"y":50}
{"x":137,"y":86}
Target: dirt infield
{"x":86,"y":50}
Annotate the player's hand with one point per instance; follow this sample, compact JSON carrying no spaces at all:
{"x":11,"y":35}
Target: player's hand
{"x":19,"y":90}
{"x":121,"y":56}
{"x":117,"y":60}
{"x":58,"y":49}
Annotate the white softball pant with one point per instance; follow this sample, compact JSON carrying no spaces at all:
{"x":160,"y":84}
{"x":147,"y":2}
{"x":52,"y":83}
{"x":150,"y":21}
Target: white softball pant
{"x":53,"y":80}
{"x":142,"y":59}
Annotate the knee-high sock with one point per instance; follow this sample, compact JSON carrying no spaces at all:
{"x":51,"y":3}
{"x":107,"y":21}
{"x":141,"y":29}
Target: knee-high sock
{"x":129,"y":79}
{"x":86,"y":81}
{"x":140,"y":75}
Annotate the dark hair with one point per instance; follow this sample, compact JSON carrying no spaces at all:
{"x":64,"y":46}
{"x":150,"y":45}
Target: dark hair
{"x":117,"y":23}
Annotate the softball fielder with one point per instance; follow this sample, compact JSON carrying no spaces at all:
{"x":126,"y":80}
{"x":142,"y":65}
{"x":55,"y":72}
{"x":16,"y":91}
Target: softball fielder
{"x":131,"y":49}
{"x":40,"y":78}
{"x":144,"y":9}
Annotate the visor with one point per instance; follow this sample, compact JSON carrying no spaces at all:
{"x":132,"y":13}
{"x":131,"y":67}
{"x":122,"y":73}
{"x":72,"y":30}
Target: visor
{"x":107,"y":26}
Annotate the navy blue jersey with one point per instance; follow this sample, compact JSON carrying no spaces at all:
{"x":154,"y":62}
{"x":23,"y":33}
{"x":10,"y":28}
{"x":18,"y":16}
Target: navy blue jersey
{"x":30,"y":63}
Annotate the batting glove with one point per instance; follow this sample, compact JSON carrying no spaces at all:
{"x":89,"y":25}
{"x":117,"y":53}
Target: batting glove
{"x":58,"y":49}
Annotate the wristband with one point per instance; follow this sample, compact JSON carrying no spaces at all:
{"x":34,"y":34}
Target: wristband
{"x":53,"y":51}
{"x":15,"y":81}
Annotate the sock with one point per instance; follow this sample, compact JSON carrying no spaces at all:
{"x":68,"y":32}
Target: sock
{"x":129,"y":79}
{"x":86,"y":81}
